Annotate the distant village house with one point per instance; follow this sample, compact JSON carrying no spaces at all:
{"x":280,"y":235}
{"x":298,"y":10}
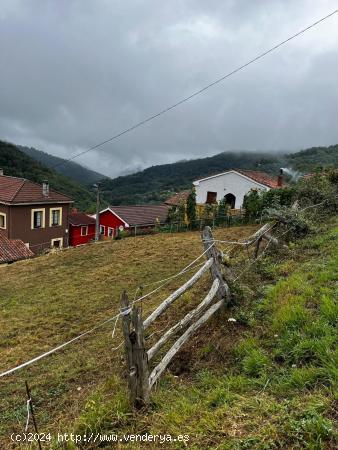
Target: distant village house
{"x":233,"y":185}
{"x":81,"y":228}
{"x":178,"y":198}
{"x":33,"y":213}
{"x":130,"y":217}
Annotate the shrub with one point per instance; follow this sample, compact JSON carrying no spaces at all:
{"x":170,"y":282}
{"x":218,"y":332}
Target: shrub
{"x":222,"y":212}
{"x":296,"y":222}
{"x":252,"y":204}
{"x":256,"y":202}
{"x":317,"y":196}
{"x":121,"y":234}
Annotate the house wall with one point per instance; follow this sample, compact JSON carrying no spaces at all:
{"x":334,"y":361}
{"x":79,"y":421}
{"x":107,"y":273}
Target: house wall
{"x":108,"y":219}
{"x":19,"y":226}
{"x":5,"y":210}
{"x":227,"y":183}
{"x":75,"y":237}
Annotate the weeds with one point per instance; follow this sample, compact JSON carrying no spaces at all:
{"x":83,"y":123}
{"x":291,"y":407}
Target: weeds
{"x":273,"y":387}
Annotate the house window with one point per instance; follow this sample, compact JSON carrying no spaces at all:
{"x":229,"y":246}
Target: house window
{"x":110,"y":232}
{"x":102,"y":229}
{"x":2,"y":220}
{"x":38,"y":218}
{"x":211,"y":197}
{"x":84,"y":231}
{"x":55,"y":218}
{"x":57,"y":243}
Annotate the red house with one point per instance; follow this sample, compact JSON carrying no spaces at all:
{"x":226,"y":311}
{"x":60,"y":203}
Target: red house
{"x":129,"y":217}
{"x":81,"y":228}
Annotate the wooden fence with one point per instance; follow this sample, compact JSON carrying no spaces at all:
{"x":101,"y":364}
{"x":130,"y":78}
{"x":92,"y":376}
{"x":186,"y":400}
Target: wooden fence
{"x":142,"y":376}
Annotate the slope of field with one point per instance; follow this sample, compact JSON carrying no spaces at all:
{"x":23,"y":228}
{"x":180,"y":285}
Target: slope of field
{"x":48,"y":300}
{"x":263,"y":382}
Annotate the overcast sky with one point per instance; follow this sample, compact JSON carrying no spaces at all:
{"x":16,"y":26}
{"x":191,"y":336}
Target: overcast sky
{"x":75,"y":72}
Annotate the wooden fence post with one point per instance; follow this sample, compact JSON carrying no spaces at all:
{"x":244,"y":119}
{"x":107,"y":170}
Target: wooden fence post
{"x":136,"y":355}
{"x":215,"y":269}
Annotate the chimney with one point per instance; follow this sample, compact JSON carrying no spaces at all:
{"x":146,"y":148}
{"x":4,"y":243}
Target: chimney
{"x":1,"y":172}
{"x":45,"y":188}
{"x":280,"y":178}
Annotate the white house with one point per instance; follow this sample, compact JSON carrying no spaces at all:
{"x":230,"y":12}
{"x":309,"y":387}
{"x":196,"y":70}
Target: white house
{"x":233,"y":185}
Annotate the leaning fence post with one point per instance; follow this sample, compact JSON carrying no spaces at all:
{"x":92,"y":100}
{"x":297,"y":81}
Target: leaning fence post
{"x":136,"y":355}
{"x":215,"y":269}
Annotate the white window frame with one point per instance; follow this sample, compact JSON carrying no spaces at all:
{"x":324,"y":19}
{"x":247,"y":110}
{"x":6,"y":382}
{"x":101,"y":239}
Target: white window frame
{"x":56,"y":239}
{"x":43,"y":221}
{"x":86,"y":227}
{"x":51,"y":217}
{"x":103,"y":227}
{"x":4,"y":215}
{"x":110,"y":229}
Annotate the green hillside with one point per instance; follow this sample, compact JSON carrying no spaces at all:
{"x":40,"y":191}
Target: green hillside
{"x":16,"y":163}
{"x":315,"y":157}
{"x":156,"y":183}
{"x":261,"y":374}
{"x":69,"y":169}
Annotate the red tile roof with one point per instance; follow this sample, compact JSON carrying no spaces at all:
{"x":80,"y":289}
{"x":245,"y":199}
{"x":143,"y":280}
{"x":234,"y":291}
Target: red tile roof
{"x":142,"y":214}
{"x":260,"y":177}
{"x":13,"y":250}
{"x":19,"y":190}
{"x":77,"y":219}
{"x":177,"y":198}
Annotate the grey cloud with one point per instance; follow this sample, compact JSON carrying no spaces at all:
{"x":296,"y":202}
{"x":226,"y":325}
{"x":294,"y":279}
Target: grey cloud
{"x":73,"y":73}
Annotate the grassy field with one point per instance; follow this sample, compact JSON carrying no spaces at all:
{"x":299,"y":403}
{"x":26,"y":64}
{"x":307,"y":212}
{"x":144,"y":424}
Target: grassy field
{"x":266,"y":381}
{"x":48,"y":300}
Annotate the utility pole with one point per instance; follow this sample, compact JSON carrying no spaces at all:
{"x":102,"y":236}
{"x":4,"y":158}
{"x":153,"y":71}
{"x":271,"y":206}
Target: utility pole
{"x":97,"y":224}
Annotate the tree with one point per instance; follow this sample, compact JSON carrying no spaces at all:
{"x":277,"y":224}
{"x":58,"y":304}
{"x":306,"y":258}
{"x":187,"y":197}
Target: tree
{"x":252,"y":204}
{"x":222,"y":211}
{"x":191,"y":209}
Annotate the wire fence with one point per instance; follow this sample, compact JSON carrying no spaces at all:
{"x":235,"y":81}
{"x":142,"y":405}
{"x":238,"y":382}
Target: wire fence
{"x":158,"y":285}
{"x":163,"y":282}
{"x":179,"y":226}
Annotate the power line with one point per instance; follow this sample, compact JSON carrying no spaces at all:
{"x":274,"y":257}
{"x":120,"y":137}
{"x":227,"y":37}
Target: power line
{"x":194,"y":94}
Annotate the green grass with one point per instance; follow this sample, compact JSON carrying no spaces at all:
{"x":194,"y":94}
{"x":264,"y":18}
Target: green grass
{"x":48,"y":300}
{"x":267,"y":381}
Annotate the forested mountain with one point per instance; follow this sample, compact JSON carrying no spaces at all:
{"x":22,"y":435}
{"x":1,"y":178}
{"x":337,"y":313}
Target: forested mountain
{"x":70,"y":169}
{"x":313,"y":158}
{"x":157,"y":182}
{"x":16,"y":163}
